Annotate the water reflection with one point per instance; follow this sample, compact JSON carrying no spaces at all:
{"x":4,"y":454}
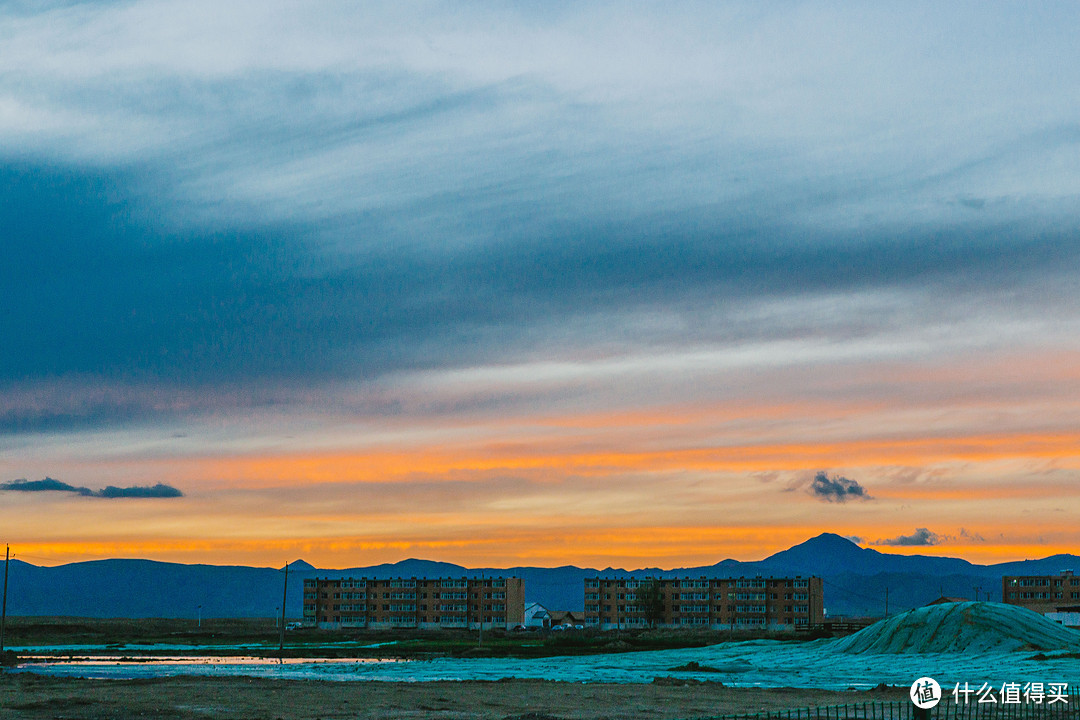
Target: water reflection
{"x":28,"y":661}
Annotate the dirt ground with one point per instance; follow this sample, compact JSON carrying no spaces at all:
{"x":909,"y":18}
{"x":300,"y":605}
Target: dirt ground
{"x":26,"y":696}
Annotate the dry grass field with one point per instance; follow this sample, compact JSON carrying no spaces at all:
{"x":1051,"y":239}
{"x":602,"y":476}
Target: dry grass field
{"x":25,"y":696}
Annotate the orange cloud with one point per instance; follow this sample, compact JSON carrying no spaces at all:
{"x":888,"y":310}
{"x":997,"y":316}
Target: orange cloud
{"x":402,"y":464}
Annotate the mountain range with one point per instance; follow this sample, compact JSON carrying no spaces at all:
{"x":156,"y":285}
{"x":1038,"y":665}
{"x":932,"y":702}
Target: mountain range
{"x":856,"y":582}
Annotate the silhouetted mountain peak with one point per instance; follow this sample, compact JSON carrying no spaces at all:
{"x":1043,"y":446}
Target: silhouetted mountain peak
{"x":856,"y":578}
{"x":829,"y":542}
{"x":827,"y":552}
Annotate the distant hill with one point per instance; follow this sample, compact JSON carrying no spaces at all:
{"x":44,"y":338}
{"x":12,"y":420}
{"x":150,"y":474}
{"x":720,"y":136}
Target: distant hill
{"x":144,"y":588}
{"x":856,"y":580}
{"x":829,"y":554}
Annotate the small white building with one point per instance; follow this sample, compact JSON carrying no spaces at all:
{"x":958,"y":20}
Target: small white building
{"x":537,"y":616}
{"x":1068,"y":619}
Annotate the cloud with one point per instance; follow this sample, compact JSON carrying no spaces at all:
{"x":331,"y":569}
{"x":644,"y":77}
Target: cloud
{"x":440,"y":197}
{"x":921,"y":537}
{"x":50,"y":485}
{"x":243,"y":310}
{"x":924,"y":537}
{"x":46,"y":485}
{"x":974,"y":537}
{"x":157,"y":491}
{"x":836,"y":489}
{"x":258,"y":223}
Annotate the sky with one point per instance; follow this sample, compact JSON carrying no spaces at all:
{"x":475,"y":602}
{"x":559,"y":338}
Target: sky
{"x":538,"y":283}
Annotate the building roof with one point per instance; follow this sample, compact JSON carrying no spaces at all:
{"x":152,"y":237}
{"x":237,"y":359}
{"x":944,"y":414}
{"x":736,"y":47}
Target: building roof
{"x":945,"y":599}
{"x":536,"y":610}
{"x":562,"y":616}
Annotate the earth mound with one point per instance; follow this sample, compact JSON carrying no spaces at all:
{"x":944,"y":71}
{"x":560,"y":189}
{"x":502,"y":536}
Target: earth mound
{"x":961,"y":627}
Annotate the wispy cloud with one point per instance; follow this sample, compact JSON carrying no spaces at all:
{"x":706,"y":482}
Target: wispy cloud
{"x":435,"y":238}
{"x":160,"y":490}
{"x":921,"y":537}
{"x":971,"y":536}
{"x":219,"y":215}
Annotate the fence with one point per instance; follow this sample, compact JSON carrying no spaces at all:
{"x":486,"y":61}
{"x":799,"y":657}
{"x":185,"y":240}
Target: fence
{"x":947,"y":709}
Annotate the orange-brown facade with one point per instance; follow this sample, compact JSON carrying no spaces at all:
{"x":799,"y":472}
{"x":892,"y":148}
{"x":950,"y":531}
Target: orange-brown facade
{"x":423,"y":603}
{"x":1042,"y":593}
{"x":735,"y":603}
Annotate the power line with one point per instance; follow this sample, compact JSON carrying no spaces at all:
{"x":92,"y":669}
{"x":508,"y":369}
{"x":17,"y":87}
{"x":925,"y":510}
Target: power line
{"x":32,"y":557}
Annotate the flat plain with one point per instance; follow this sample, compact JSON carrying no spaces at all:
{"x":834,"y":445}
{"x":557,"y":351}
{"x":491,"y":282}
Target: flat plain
{"x":27,"y":696}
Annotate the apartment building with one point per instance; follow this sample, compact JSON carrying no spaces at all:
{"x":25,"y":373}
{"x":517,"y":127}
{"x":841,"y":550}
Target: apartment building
{"x":422,"y":603}
{"x":757,"y":603}
{"x":1044,"y":594}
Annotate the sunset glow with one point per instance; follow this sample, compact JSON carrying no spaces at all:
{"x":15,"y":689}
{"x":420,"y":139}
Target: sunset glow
{"x":531,"y":285}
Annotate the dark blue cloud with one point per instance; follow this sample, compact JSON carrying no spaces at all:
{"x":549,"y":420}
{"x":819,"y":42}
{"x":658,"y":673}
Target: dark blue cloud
{"x":921,"y":537}
{"x":94,"y":288}
{"x":160,"y":490}
{"x":50,"y":485}
{"x":44,"y":485}
{"x":836,"y":489}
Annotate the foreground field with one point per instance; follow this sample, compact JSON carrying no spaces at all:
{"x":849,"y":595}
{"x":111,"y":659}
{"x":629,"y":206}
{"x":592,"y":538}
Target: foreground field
{"x":953,"y":643}
{"x":261,"y":637}
{"x":26,"y":696}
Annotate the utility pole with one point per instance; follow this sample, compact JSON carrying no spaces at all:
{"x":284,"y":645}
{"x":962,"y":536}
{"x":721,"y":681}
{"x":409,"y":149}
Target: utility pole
{"x":977,"y":589}
{"x":886,"y":602}
{"x":3,"y":614}
{"x":284,"y":595}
